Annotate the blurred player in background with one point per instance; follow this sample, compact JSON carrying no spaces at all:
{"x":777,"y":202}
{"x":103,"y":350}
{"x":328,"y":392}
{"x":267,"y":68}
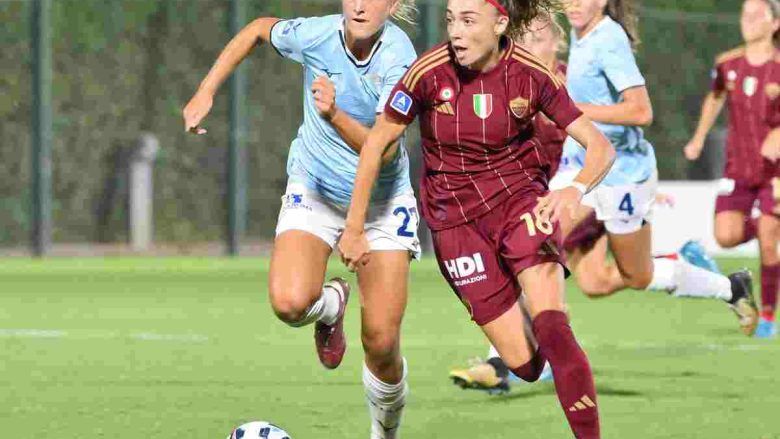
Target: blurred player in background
{"x":748,"y":80}
{"x":604,"y":80}
{"x":484,"y":189}
{"x":351,"y":63}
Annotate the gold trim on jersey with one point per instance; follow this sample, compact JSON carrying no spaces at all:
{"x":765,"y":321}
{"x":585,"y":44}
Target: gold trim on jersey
{"x":537,"y":64}
{"x":446,"y":108}
{"x":422,"y":63}
{"x":429,"y":66}
{"x":730,"y":54}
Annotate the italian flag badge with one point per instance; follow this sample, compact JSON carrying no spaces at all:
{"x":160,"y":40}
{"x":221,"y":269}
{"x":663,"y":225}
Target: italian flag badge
{"x":483,"y":106}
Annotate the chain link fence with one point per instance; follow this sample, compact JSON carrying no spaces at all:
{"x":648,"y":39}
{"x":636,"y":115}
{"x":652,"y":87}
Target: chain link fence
{"x":124,"y":67}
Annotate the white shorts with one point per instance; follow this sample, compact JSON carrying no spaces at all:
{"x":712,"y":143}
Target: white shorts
{"x":391,"y":225}
{"x":624,"y":209}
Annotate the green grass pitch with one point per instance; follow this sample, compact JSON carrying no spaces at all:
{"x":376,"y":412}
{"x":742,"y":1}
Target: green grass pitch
{"x":156,"y":348}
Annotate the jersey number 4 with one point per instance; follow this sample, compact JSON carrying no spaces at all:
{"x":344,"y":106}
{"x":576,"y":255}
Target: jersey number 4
{"x":626,"y":205}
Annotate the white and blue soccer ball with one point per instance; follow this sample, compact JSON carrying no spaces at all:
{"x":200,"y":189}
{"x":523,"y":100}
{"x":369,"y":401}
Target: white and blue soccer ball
{"x":258,"y":430}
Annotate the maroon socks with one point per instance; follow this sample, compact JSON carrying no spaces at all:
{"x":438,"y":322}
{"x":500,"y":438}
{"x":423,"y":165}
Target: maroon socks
{"x":571,"y":372}
{"x":530,"y":372}
{"x":770,"y":275}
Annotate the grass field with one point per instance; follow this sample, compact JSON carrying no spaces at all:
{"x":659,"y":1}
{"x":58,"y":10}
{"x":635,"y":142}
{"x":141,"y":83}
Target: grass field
{"x":188,"y":348}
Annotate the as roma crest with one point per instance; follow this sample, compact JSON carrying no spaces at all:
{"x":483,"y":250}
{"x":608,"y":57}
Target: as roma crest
{"x":772,"y":90}
{"x":483,"y":105}
{"x":519,"y":107}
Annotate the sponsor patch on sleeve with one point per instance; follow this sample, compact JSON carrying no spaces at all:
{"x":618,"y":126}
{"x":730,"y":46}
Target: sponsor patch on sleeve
{"x":401,"y":102}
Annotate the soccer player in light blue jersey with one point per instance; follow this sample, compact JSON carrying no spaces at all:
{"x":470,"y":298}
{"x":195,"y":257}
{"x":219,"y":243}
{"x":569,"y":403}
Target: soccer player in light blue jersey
{"x":604,"y":80}
{"x":351,"y":62}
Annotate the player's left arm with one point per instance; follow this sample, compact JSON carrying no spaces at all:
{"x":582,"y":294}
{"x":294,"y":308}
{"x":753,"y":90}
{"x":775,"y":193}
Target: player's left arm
{"x":555,"y":103}
{"x":353,"y":132}
{"x":770,"y":148}
{"x":619,"y":66}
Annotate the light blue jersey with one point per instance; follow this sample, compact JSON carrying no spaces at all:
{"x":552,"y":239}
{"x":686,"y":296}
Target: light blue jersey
{"x":319,"y":157}
{"x":601,"y":67}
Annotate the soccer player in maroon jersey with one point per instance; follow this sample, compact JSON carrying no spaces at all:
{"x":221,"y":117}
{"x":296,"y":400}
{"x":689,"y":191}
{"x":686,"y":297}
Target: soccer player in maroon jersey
{"x":747,"y":79}
{"x":484,"y":188}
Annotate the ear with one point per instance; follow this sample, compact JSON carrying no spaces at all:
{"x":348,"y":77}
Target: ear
{"x":394,"y":7}
{"x":501,"y":25}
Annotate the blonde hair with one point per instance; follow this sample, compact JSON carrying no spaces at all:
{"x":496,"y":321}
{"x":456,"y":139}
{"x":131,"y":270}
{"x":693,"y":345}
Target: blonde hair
{"x":407,"y":11}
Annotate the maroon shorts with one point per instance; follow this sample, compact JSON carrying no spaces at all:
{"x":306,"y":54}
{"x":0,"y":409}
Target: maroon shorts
{"x":585,"y":234}
{"x":744,"y":197}
{"x":482,"y":258}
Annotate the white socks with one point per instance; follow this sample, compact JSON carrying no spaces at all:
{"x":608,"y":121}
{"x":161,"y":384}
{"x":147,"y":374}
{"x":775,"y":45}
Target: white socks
{"x":493,"y":352}
{"x":693,"y":281}
{"x":325,"y":309}
{"x":663,"y":275}
{"x":385,"y":404}
{"x":682,"y":279}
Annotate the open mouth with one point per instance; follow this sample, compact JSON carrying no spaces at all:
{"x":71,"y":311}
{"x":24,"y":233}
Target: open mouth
{"x":459,"y":50}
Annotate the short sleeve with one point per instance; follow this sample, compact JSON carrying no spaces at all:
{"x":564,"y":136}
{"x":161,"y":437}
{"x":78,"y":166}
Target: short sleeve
{"x":406,"y":98}
{"x":555,"y":103}
{"x":292,"y":37}
{"x":619,"y":65}
{"x":395,"y":70}
{"x":718,"y":79}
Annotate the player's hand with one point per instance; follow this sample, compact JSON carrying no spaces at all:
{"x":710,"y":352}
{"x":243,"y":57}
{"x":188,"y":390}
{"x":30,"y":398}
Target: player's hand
{"x":195,"y":111}
{"x":693,"y":149}
{"x":770,"y":149}
{"x":324,"y":96}
{"x":354,"y":249}
{"x":557,"y":203}
{"x":665,"y":200}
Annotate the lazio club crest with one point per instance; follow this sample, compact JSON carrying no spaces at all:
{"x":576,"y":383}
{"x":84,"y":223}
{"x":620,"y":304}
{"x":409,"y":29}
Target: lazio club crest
{"x":483,"y":106}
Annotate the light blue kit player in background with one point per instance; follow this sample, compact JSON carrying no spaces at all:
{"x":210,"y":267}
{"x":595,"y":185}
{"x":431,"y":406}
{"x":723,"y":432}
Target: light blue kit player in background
{"x":351,"y":62}
{"x":604,"y":80}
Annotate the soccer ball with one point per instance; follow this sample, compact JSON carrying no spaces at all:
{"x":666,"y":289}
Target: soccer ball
{"x":258,"y":430}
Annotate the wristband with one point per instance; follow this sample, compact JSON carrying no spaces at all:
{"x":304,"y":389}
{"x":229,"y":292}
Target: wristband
{"x":580,"y":187}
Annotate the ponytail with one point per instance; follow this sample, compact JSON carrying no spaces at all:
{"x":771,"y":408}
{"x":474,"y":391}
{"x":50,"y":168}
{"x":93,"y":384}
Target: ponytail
{"x":407,"y":11}
{"x":624,"y":12}
{"x":523,"y":12}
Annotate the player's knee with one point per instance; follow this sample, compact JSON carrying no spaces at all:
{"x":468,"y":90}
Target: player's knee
{"x":727,"y":237}
{"x":594,"y":286}
{"x":639,"y":280}
{"x":288,"y":306}
{"x":380,"y":345}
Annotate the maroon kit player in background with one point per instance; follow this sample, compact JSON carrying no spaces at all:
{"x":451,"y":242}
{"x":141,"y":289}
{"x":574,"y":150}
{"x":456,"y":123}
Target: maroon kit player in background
{"x":748,"y":80}
{"x":484,"y":188}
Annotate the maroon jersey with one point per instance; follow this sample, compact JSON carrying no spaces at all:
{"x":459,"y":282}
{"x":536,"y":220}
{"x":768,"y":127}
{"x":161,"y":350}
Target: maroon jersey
{"x":550,"y":136}
{"x":754,"y":109}
{"x":479,"y":144}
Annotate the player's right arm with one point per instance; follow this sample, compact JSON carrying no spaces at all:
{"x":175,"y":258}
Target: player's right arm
{"x":406,"y":100}
{"x":353,"y":244}
{"x":254,"y":34}
{"x":710,"y":109}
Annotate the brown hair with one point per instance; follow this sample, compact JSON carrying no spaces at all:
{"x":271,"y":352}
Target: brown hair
{"x":523,"y":12}
{"x":774,"y":6}
{"x":624,"y":13}
{"x":407,"y":11}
